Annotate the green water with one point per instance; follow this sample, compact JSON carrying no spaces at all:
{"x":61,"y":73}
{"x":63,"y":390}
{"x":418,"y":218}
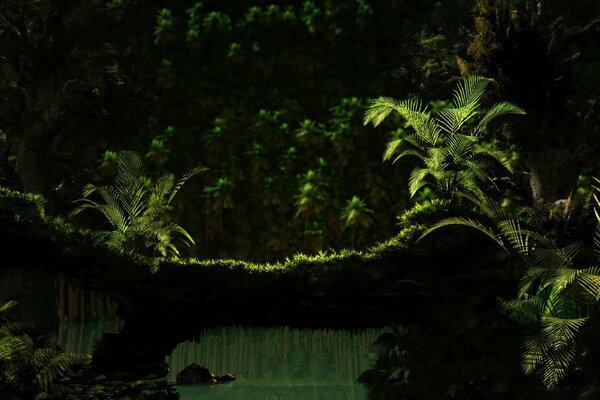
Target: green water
{"x":269,"y":363}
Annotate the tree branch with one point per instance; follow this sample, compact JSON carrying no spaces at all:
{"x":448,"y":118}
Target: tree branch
{"x":575,"y":33}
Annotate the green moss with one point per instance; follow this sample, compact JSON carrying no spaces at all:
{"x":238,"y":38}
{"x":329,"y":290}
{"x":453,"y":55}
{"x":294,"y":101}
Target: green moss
{"x":424,"y":213}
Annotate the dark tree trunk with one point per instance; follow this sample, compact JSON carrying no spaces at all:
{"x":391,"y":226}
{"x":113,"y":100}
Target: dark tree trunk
{"x":533,"y":67}
{"x":554,"y":174}
{"x":34,"y":165}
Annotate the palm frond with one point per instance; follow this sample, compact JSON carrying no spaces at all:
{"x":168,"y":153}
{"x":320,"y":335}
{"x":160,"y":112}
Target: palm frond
{"x":11,"y":347}
{"x":460,"y":146}
{"x":188,"y":175}
{"x":452,"y":120}
{"x":489,"y":151}
{"x":468,"y":222}
{"x":436,"y":158}
{"x":535,"y":352}
{"x":528,"y":311}
{"x":425,"y":127}
{"x":497,"y":110}
{"x":562,"y":331}
{"x":417,"y":180}
{"x":589,"y":279}
{"x":555,"y":366}
{"x":511,"y":229}
{"x":470,"y":91}
{"x":379,"y":109}
{"x":8,"y":305}
{"x":391,"y":148}
{"x":52,"y":364}
{"x":409,"y":152}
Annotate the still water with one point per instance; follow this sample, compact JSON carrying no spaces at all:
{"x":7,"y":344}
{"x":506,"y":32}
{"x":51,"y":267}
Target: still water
{"x":269,"y":363}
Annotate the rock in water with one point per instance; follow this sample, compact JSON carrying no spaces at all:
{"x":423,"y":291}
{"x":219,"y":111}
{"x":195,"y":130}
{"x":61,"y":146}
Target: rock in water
{"x":196,"y":374}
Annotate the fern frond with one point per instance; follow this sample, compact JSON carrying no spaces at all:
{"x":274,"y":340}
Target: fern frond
{"x":55,"y":366}
{"x":8,"y":305}
{"x":527,"y":311}
{"x":470,"y":91}
{"x":187,"y":176}
{"x":417,"y":180}
{"x":489,"y":151}
{"x":451,"y":120}
{"x":409,"y":152}
{"x":391,"y":148}
{"x":535,"y":350}
{"x":11,"y":347}
{"x":468,"y":222}
{"x":459,"y":146}
{"x":518,"y":238}
{"x":589,"y":279}
{"x":497,"y":110}
{"x":561,"y":331}
{"x":378,"y":110}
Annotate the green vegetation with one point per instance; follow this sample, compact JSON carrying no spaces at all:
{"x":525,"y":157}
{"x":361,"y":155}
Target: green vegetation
{"x":452,"y":157}
{"x":31,"y":366}
{"x":485,"y":263}
{"x":556,"y":296}
{"x":134,"y":207}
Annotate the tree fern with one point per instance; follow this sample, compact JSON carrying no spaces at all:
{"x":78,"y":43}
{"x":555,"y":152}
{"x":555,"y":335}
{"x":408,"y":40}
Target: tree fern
{"x":134,"y":207}
{"x":452,"y":151}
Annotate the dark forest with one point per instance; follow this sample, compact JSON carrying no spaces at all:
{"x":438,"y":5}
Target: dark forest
{"x":328,"y":199}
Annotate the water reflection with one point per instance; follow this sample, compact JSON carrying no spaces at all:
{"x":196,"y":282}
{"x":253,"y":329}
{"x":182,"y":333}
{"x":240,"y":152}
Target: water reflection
{"x":278,"y":363}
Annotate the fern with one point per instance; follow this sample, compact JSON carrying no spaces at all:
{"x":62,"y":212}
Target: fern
{"x":453,"y":155}
{"x":134,"y":208}
{"x":27,"y":368}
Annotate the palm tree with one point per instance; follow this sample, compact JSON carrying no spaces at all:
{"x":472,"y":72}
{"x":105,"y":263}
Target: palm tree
{"x":452,"y":151}
{"x":312,"y":196}
{"x":135,"y":206}
{"x":220,"y":194}
{"x":355,"y":215}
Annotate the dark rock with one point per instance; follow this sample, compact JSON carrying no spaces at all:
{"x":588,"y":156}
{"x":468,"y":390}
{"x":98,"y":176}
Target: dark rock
{"x":196,"y":374}
{"x":225,"y":378}
{"x":125,"y":356}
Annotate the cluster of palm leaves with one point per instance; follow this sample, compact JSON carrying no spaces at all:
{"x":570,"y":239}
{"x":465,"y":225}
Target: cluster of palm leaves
{"x":556,"y":296}
{"x":26,"y":367}
{"x":135,"y":207}
{"x":452,"y":151}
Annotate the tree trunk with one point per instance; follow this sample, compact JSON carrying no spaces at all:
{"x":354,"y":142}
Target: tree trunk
{"x":34,"y":163}
{"x":554,"y":174}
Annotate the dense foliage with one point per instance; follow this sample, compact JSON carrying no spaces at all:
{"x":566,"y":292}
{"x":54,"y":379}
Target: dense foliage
{"x":273,"y":99}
